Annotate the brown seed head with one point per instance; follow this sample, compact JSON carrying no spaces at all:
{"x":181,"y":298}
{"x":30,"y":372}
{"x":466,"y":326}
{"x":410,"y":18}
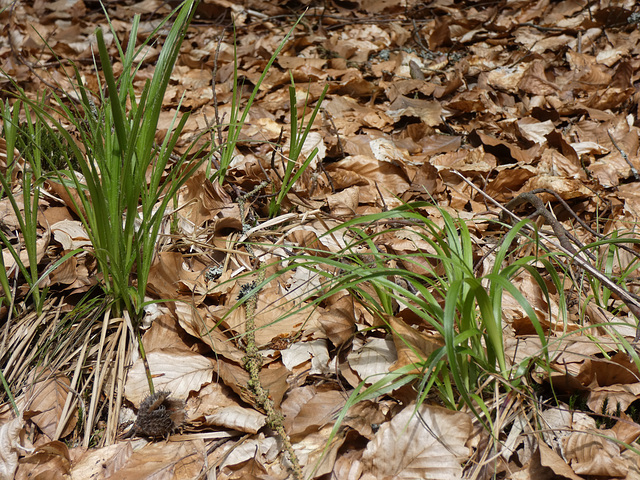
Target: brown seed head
{"x":159,"y":415}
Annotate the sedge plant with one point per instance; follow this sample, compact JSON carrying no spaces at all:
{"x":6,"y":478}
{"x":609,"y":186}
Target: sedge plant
{"x":238,"y":115}
{"x":120,"y":182}
{"x":36,"y":148}
{"x":442,"y":284}
{"x":299,"y":134}
{"x":24,"y":203}
{"x":439,"y":285}
{"x":124,"y":184}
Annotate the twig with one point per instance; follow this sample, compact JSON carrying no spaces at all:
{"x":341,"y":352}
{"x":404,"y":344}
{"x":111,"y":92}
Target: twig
{"x":273,"y":156}
{"x":558,"y":229}
{"x":625,"y":156}
{"x":218,"y":120}
{"x":629,"y":299}
{"x":580,"y":221}
{"x":542,"y":29}
{"x":334,"y":131}
{"x":384,"y":204}
{"x":253,"y":364}
{"x":143,"y":356}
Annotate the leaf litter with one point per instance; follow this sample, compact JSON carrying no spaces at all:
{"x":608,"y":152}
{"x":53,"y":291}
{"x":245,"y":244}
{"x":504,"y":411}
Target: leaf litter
{"x":510,"y":96}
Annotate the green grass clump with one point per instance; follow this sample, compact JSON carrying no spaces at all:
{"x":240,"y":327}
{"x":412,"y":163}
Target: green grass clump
{"x":439,"y":285}
{"x":35,"y":142}
{"x":122,"y":210}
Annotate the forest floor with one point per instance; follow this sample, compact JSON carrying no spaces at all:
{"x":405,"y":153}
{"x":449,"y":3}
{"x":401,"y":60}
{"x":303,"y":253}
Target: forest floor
{"x":354,"y":288}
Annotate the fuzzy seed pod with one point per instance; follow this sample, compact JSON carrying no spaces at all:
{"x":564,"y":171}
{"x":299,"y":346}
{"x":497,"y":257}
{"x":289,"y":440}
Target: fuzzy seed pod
{"x":159,"y":415}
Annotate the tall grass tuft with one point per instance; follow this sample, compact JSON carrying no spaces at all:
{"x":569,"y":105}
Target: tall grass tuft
{"x":440,"y":285}
{"x":299,"y":133}
{"x":238,"y":115}
{"x":25,"y":201}
{"x":124,"y":186}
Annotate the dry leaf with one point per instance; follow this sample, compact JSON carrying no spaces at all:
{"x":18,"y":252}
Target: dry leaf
{"x":48,"y":396}
{"x":9,"y":441}
{"x":50,"y":460}
{"x":164,"y":460}
{"x":591,"y":453}
{"x":427,"y":442}
{"x":177,"y":371}
{"x":373,"y":359}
